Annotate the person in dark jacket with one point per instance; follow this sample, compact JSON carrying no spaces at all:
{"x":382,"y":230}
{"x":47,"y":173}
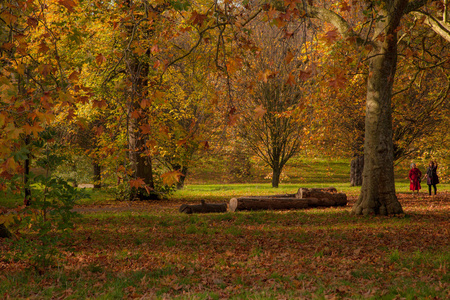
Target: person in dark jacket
{"x":431,"y":176}
{"x":414,"y":178}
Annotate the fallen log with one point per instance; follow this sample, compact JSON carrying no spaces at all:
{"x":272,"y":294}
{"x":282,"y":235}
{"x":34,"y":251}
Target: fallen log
{"x":203,"y":208}
{"x":311,"y":192}
{"x":329,"y":196}
{"x":323,"y":202}
{"x":266,"y":203}
{"x":281,"y":196}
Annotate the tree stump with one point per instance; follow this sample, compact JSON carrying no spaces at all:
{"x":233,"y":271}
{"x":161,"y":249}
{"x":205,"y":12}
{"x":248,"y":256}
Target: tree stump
{"x":203,"y":208}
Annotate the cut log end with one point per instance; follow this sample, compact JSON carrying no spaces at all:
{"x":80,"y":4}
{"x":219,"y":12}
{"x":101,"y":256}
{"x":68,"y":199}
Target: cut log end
{"x":232,"y":206}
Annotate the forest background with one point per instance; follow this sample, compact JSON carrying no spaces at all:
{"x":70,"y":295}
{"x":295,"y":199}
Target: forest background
{"x":147,"y":91}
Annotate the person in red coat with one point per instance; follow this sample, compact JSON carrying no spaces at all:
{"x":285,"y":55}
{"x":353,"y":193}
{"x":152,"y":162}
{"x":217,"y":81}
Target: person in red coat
{"x":414,"y":176}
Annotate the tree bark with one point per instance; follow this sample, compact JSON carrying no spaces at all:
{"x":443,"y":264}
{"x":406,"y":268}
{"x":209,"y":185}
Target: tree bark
{"x":315,"y":192}
{"x":276,"y":173}
{"x":285,"y":202}
{"x":356,"y":170}
{"x":318,"y":193}
{"x":26,"y":175}
{"x":270,"y":203}
{"x":325,"y":196}
{"x":141,"y":161}
{"x":97,"y":175}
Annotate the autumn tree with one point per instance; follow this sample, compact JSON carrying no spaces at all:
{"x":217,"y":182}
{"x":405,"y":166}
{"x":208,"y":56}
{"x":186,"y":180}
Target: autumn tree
{"x":418,"y":101}
{"x":186,"y":119}
{"x":271,"y":123}
{"x":37,"y":79}
{"x":380,"y":38}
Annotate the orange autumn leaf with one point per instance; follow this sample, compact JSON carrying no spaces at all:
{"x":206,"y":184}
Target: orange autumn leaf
{"x":266,"y":75}
{"x":339,"y":81}
{"x":172,"y":177}
{"x":68,"y":4}
{"x":74,"y":76}
{"x":260,"y":111}
{"x":43,"y":48}
{"x":145,"y":129}
{"x":182,"y":142}
{"x":331,"y":36}
{"x":137,"y":183}
{"x":33,"y":129}
{"x":197,"y":18}
{"x":290,"y":80}
{"x":100,"y":59}
{"x":289,"y":56}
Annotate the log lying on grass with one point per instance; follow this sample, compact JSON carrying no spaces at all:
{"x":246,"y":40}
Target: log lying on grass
{"x":314,"y":192}
{"x":328,"y":196}
{"x":263,"y":203}
{"x":304,"y":198}
{"x":203,"y":208}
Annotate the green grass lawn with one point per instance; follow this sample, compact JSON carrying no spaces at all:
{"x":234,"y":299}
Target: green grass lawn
{"x":148,"y":250}
{"x":154,"y":252}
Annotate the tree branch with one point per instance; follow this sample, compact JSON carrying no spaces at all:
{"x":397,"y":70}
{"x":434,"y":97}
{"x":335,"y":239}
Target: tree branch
{"x":437,"y":26}
{"x":333,"y":18}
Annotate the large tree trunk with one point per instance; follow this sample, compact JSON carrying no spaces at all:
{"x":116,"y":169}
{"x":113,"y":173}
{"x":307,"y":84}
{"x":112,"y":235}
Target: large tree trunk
{"x":378,"y":187}
{"x":141,"y":161}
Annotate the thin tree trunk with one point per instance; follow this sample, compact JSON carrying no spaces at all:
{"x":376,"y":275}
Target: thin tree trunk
{"x":97,"y":175}
{"x":276,"y":174}
{"x":26,"y":175}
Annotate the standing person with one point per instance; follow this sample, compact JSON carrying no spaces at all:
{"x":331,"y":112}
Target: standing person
{"x":431,"y":176}
{"x":414,"y":178}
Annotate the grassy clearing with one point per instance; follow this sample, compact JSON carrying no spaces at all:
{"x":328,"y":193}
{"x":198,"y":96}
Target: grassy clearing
{"x":153,"y":252}
{"x":148,"y":250}
{"x":224,"y":192}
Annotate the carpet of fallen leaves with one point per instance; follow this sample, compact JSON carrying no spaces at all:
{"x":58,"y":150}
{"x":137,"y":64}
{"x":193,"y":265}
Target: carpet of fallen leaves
{"x":147,"y":250}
